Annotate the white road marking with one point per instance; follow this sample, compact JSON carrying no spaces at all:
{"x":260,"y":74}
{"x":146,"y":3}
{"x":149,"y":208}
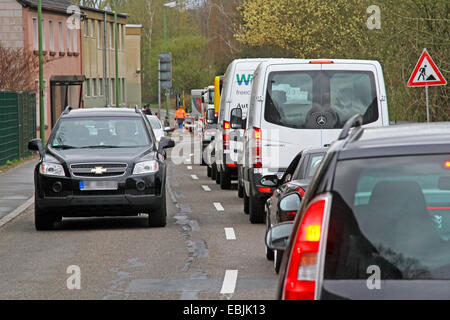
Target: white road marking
{"x":187,"y":161}
{"x":218,"y":206}
{"x":16,"y":212}
{"x":189,"y":167}
{"x":229,"y":234}
{"x":194,"y":177}
{"x":229,"y":282}
{"x":206,"y":188}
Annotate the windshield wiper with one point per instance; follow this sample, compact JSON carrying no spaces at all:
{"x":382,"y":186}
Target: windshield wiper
{"x":64,"y":147}
{"x":101,"y":147}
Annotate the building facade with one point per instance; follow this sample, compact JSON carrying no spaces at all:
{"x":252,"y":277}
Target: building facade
{"x":133,"y":76}
{"x":99,"y":64}
{"x":63,"y":74}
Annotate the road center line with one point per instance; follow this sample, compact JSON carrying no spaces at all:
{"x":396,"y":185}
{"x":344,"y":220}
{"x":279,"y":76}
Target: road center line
{"x":229,"y":234}
{"x":218,"y":206}
{"x":194,"y":177}
{"x":206,"y":188}
{"x":229,"y":282}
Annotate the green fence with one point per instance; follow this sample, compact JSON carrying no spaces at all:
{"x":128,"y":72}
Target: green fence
{"x":17,"y":124}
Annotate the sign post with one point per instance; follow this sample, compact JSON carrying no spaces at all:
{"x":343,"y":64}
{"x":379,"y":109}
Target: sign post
{"x":426,"y":74}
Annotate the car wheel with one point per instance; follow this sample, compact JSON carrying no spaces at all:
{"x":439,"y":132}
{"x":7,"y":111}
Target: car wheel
{"x":240,"y":190}
{"x":208,"y":171}
{"x":256,"y":210}
{"x":218,"y":177}
{"x":213,"y":173}
{"x":42,"y":219}
{"x":278,"y":256}
{"x":246,"y":204}
{"x":225,"y":180}
{"x":269,"y":252}
{"x":158,"y":219}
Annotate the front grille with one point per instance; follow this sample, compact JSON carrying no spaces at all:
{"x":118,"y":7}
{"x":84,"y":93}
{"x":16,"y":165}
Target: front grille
{"x":86,"y":169}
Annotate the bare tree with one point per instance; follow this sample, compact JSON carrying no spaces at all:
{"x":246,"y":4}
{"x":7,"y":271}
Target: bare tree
{"x":17,"y":70}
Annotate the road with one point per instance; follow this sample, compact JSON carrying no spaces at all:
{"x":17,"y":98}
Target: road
{"x":120,"y":258}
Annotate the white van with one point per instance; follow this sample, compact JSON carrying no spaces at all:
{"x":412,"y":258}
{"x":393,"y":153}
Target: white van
{"x":235,"y":96}
{"x":298,"y":104}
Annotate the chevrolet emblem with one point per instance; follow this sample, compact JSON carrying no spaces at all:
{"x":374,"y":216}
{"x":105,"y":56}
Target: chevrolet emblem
{"x":99,"y":170}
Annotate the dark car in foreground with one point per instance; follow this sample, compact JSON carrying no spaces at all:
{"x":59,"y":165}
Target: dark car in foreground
{"x":375,"y":221}
{"x":296,"y":178}
{"x":100,"y":162}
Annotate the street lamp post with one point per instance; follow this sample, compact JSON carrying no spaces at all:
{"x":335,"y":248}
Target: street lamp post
{"x":117,"y":53}
{"x":167,"y":5}
{"x":41,"y":75}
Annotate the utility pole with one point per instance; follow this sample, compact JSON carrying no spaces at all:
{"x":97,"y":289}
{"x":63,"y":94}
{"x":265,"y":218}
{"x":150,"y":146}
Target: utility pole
{"x":41,"y":76}
{"x":117,"y":54}
{"x":165,"y":49}
{"x":105,"y":60}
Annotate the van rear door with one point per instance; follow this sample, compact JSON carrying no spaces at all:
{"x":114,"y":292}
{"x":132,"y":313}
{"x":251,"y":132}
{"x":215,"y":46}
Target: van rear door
{"x":355,"y":88}
{"x":288,"y":92}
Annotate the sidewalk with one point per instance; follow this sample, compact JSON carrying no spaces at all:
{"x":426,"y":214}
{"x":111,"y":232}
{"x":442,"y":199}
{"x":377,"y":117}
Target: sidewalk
{"x":16,"y":187}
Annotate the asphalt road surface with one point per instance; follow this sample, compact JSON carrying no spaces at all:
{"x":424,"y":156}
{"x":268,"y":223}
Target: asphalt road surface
{"x":208,"y":250}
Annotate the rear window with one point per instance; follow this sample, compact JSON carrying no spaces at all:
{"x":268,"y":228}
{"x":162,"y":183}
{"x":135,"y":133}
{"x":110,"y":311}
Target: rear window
{"x":307,"y":169}
{"x":393,"y":213}
{"x":320,"y":99}
{"x":211,"y":96}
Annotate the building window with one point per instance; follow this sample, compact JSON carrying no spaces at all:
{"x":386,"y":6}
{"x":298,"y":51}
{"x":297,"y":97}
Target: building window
{"x":51,"y":35}
{"x":75,"y":40}
{"x":99,"y":32}
{"x":69,"y":40}
{"x":44,"y":44}
{"x":61,"y":37}
{"x":35,"y":35}
{"x":100,"y":87}
{"x":111,"y":30}
{"x":94,"y":87}
{"x":85,"y":31}
{"x":88,"y":87}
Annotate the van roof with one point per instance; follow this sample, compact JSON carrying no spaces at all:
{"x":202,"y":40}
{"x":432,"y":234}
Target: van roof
{"x":282,"y":61}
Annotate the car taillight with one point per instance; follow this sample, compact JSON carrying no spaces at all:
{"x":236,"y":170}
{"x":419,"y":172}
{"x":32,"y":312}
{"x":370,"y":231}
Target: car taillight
{"x":257,"y":150}
{"x":302,"y":268}
{"x":226,"y":135}
{"x":300,"y":191}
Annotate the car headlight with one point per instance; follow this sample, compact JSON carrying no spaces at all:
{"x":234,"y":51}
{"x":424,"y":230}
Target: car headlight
{"x":52,"y":169}
{"x":146,"y":167}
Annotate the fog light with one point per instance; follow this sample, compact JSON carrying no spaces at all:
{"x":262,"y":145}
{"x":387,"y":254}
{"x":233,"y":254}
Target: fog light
{"x":57,"y":187}
{"x":140,"y":185}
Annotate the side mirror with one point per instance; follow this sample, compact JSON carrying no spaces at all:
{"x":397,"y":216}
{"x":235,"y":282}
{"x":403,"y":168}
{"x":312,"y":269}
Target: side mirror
{"x":277,"y":236}
{"x":270,"y":181}
{"x":36,"y":145}
{"x":165,"y":143}
{"x":289,"y":204}
{"x":236,"y":118}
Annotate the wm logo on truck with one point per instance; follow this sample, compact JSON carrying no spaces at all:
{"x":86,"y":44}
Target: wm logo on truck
{"x":247,"y":79}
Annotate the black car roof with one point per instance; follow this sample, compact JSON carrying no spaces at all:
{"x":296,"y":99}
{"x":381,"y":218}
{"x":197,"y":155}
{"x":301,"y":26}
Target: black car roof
{"x":398,"y":140}
{"x":101,"y":112}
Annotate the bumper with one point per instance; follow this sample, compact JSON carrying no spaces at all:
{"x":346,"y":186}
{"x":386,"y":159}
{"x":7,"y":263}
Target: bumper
{"x":126,"y":200}
{"x":257,"y":190}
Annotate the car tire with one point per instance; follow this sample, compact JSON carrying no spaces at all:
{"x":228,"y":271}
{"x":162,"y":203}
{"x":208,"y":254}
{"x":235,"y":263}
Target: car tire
{"x":218,"y":177}
{"x":225,"y":181}
{"x":256,"y":207}
{"x":269,"y":252}
{"x":246,"y":204}
{"x":42,"y":219}
{"x":278,"y":256}
{"x":213,"y":173}
{"x":208,"y":171}
{"x":240,"y":190}
{"x":158,"y":219}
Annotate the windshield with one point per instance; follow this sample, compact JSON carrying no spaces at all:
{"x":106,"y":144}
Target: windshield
{"x":393,"y":213}
{"x":105,"y":132}
{"x":299,"y":99}
{"x":154,"y":122}
{"x":211,"y":96}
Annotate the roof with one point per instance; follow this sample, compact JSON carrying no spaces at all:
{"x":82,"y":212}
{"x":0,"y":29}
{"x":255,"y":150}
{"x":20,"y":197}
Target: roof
{"x":102,"y":112}
{"x":122,"y":15}
{"x":56,"y":5}
{"x":405,"y":139}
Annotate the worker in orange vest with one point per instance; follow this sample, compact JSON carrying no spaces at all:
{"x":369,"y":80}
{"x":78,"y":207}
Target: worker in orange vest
{"x":180,"y":114}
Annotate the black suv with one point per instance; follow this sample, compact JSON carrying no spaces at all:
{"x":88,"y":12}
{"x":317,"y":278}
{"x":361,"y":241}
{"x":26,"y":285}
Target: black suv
{"x":375,"y":221}
{"x":100,"y":162}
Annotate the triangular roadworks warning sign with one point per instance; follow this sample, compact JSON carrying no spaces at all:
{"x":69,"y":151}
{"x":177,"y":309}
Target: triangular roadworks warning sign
{"x":426,"y":73}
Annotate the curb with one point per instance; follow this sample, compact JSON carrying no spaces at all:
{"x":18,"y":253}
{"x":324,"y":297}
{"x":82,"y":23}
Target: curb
{"x":11,"y":216}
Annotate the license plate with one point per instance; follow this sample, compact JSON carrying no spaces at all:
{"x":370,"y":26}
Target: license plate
{"x":98,"y":185}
